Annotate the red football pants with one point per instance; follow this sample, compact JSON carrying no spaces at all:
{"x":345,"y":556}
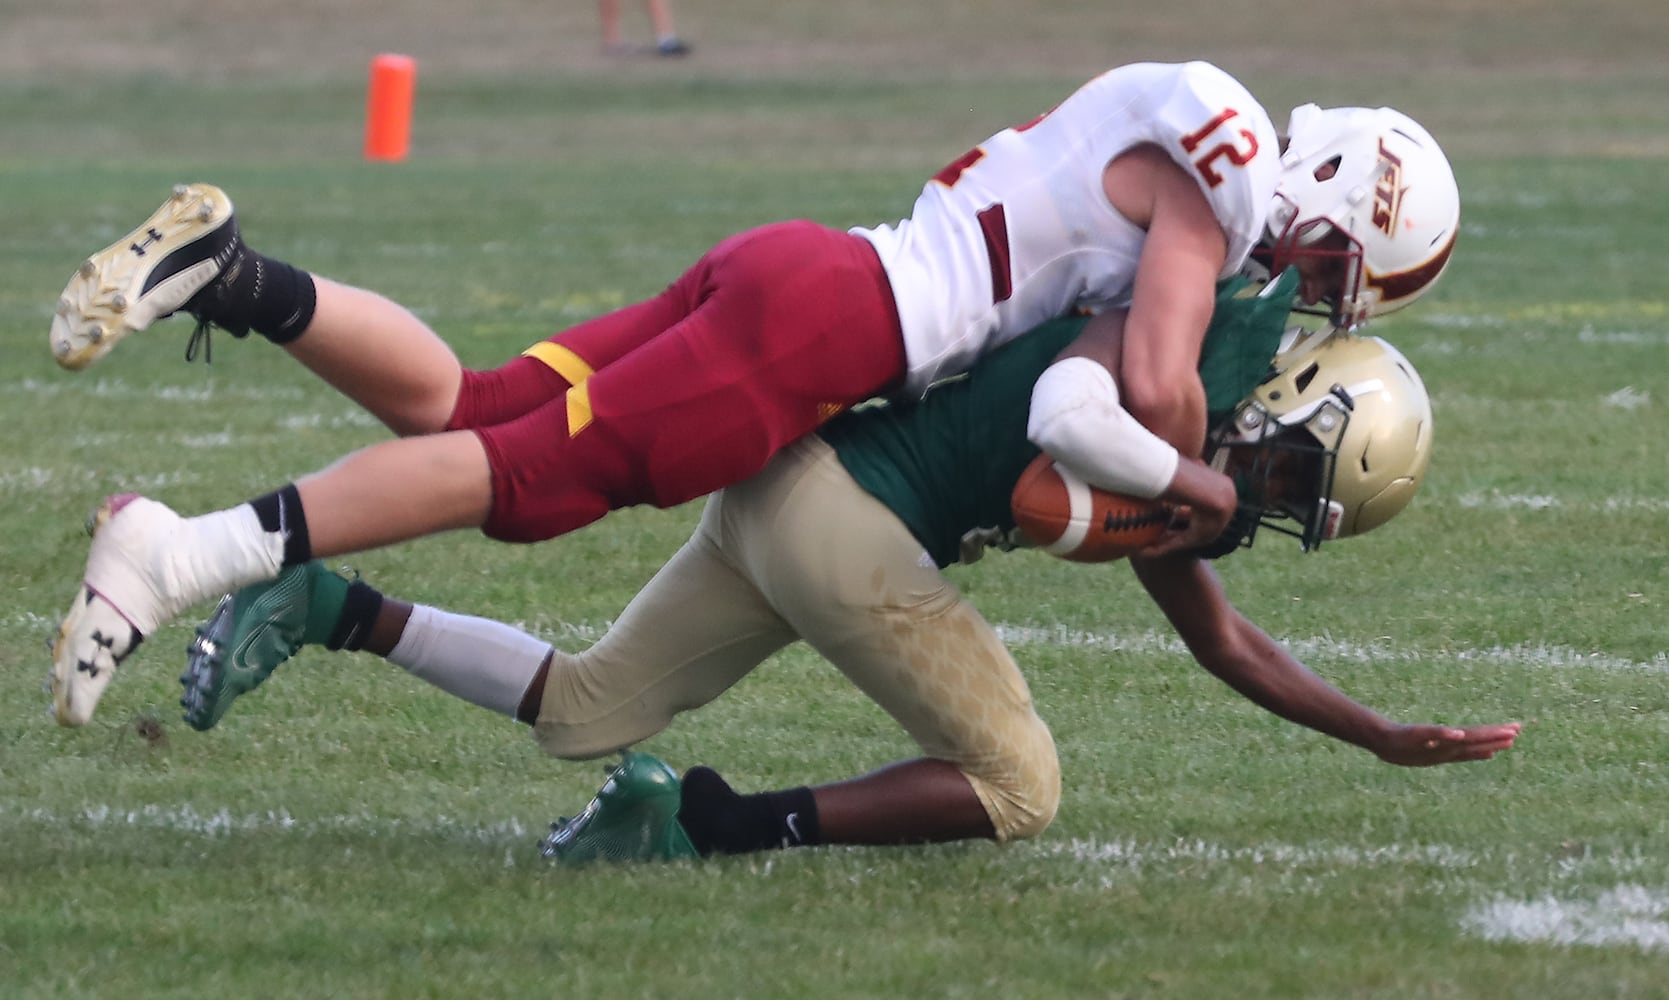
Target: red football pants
{"x":769,"y":334}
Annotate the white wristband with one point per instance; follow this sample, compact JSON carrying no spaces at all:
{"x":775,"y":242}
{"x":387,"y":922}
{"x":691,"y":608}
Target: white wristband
{"x":1076,"y":418}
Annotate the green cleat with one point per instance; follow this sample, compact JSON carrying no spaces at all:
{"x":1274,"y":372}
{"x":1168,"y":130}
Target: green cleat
{"x":634,"y":817}
{"x":250,"y":633}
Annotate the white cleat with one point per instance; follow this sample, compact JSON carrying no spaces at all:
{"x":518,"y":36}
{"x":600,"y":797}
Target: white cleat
{"x":150,"y":273}
{"x":123,"y":598}
{"x":92,"y":642}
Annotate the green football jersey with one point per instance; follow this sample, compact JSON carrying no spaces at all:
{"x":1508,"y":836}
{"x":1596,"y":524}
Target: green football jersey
{"x":946,"y":464}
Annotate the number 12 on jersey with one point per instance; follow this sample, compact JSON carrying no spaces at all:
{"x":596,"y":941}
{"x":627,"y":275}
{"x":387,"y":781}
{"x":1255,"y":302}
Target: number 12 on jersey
{"x":1239,"y":154}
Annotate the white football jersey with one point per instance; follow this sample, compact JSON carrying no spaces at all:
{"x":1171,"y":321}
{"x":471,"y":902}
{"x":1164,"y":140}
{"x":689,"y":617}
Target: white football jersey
{"x":1019,"y":231}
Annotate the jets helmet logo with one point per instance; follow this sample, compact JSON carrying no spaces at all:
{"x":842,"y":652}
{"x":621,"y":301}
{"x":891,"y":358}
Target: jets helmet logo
{"x":1387,"y":194}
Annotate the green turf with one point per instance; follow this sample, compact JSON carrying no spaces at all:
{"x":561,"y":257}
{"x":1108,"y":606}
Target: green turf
{"x":349,"y":832}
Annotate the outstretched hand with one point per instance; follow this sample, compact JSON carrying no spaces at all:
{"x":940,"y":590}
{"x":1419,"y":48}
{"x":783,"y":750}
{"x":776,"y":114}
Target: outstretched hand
{"x":1425,"y":746}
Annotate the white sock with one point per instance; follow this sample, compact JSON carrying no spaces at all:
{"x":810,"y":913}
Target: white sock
{"x":484,"y":662}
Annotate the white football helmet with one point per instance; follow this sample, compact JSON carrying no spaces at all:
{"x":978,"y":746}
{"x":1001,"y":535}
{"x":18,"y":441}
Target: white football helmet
{"x":1377,"y":177}
{"x":1334,"y":443}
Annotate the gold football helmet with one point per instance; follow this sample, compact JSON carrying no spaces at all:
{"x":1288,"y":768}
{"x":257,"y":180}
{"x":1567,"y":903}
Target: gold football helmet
{"x":1333,"y":443}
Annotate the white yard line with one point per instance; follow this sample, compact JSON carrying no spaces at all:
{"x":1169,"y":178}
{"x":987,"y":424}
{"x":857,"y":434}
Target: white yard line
{"x":1134,"y":855}
{"x":1127,"y":854}
{"x":116,"y":388}
{"x":1329,"y":648}
{"x":218,"y":822}
{"x":1497,"y":500}
{"x":1151,"y":642}
{"x":36,"y":480}
{"x":1628,"y":915}
{"x":570,"y":635}
{"x":1122,"y":854}
{"x":1622,"y":338}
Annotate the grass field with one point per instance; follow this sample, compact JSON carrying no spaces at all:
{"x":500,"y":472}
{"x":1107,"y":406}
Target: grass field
{"x":348,"y":832}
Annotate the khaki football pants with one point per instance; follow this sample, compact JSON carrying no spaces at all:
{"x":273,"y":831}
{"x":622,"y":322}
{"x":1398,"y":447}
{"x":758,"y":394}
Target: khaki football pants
{"x":800,"y":551}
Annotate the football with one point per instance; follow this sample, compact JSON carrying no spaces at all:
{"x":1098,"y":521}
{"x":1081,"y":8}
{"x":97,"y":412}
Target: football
{"x":1069,"y":518}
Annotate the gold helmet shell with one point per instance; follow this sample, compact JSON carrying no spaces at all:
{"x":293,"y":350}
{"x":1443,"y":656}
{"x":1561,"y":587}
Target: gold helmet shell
{"x":1334,"y":443}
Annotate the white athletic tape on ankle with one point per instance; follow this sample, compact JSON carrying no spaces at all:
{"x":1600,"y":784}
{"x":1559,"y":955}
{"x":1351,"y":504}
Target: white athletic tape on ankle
{"x":220,"y":552}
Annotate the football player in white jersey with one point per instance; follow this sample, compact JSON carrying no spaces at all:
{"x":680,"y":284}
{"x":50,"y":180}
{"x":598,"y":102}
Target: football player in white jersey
{"x":1139,"y":190}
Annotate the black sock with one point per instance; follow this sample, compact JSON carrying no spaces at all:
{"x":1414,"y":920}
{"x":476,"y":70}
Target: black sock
{"x":260,"y":293}
{"x":281,"y":511}
{"x":720,"y":821}
{"x":359,"y":613}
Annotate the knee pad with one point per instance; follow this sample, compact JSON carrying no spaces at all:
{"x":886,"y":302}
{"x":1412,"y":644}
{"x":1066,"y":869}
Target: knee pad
{"x":580,"y":718}
{"x":1021,"y":789}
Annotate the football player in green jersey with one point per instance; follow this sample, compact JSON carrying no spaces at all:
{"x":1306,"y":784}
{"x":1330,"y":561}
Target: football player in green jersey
{"x":840,"y":543}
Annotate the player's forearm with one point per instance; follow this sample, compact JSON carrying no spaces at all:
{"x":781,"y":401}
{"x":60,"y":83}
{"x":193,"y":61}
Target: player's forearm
{"x":1243,"y":656}
{"x":1201,"y":488}
{"x":1267,"y":675}
{"x":1173,"y":410}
